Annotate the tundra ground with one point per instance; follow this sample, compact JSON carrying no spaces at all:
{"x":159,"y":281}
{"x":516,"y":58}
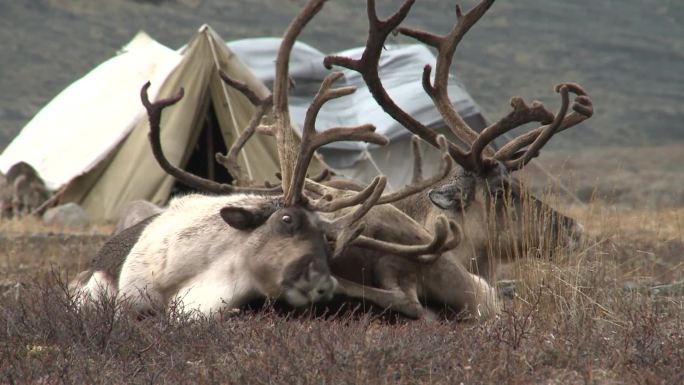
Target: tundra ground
{"x":609,"y":313}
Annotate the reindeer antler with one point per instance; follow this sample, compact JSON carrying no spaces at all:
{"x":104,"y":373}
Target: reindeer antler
{"x":446,"y":46}
{"x":154,"y":113}
{"x":348,"y":228}
{"x":422,"y":253}
{"x":480,"y":157}
{"x":284,"y":132}
{"x":311,"y":140}
{"x":263,"y":105}
{"x":582,"y":109}
{"x":417,"y":175}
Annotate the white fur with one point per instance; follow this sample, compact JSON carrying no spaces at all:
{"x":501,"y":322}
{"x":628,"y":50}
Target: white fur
{"x":205,"y":269}
{"x":100,"y":285}
{"x":190,"y":257}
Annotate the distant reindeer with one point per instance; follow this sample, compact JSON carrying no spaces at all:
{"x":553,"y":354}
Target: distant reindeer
{"x":499,"y":217}
{"x":21,"y":191}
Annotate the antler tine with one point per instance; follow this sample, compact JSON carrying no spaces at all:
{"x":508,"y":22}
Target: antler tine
{"x":284,"y":132}
{"x":521,"y":114}
{"x":154,"y":112}
{"x":545,"y":134}
{"x":346,"y":237}
{"x":347,"y":228}
{"x":423,"y":253}
{"x":230,"y":160}
{"x":330,"y":200}
{"x":446,"y":46}
{"x":582,"y":110}
{"x":417,"y":159}
{"x":457,"y":236}
{"x":379,"y":183}
{"x":322,"y":176}
{"x":367,"y":66}
{"x":445,"y":168}
{"x":311,"y":140}
{"x":245,"y":89}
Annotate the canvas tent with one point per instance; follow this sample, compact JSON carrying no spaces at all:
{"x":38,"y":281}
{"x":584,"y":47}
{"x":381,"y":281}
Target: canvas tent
{"x":91,"y":139}
{"x":401,"y":69}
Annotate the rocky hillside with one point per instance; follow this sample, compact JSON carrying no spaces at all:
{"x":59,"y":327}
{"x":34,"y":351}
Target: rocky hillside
{"x":629,"y":54}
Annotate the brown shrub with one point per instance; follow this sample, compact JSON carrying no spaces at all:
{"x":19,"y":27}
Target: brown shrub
{"x":590,"y":316}
{"x":602,"y":336}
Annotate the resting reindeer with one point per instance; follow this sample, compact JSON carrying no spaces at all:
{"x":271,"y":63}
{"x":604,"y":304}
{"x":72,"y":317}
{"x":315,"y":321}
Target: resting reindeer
{"x":401,"y":278}
{"x":498,"y":216}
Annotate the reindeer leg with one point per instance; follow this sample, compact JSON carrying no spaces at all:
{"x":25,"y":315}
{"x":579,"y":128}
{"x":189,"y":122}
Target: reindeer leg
{"x":393,"y":275}
{"x":449,"y":282}
{"x":410,"y":289}
{"x":391,"y":299}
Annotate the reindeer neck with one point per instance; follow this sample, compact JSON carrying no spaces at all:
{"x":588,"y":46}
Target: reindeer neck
{"x":416,"y":206}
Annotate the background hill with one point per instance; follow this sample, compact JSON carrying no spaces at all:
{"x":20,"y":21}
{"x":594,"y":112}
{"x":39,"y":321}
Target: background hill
{"x":629,"y":54}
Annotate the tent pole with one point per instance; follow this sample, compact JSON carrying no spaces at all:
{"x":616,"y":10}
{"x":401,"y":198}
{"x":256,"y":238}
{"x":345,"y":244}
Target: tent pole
{"x":209,"y":137}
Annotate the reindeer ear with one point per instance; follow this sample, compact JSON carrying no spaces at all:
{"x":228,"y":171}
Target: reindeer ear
{"x":448,"y":197}
{"x":245,"y":218}
{"x":443,"y":199}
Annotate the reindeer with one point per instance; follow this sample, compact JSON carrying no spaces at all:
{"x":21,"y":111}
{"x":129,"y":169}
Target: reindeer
{"x":499,"y":217}
{"x":22,"y":190}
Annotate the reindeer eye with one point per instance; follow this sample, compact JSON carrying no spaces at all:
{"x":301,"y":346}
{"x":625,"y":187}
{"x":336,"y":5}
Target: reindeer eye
{"x":287,"y":219}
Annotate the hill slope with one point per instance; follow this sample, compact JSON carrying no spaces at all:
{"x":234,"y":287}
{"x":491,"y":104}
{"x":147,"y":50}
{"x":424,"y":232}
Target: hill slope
{"x":629,"y":54}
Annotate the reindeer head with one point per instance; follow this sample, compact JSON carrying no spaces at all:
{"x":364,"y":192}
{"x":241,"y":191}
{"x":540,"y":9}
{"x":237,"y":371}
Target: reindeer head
{"x":484,"y":191}
{"x":495,"y":208}
{"x":291,"y":256}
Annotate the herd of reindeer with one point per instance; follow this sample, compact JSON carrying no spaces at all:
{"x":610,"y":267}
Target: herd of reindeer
{"x":433,"y":244}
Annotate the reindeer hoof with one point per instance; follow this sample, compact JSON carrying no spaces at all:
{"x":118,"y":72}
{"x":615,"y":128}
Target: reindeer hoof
{"x":412,"y":310}
{"x":429,"y":317}
{"x":230,"y":313}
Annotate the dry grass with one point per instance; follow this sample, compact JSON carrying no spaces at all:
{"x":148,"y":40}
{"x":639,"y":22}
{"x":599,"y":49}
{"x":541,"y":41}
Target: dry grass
{"x":594,"y":336}
{"x":645,"y":178}
{"x":33,"y":225}
{"x":590,"y":316}
{"x":663,"y":225}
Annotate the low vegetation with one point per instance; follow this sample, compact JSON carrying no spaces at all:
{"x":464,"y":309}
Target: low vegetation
{"x":610,"y":313}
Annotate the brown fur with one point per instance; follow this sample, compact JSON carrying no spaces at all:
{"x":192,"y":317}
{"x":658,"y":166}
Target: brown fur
{"x":406,"y":285}
{"x":500,"y":219}
{"x":22,"y":191}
